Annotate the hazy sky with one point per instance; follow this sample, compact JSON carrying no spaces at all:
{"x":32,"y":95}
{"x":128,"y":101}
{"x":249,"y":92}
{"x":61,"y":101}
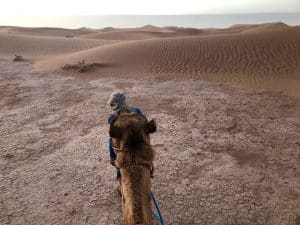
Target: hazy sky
{"x":13,"y":8}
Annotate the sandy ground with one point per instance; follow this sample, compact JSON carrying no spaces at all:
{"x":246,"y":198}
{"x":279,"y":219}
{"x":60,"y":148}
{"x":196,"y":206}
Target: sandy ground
{"x":223,"y":156}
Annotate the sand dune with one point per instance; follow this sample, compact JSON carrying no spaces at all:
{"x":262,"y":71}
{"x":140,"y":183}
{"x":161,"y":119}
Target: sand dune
{"x":127,"y":35}
{"x":245,"y":28}
{"x":262,"y":53}
{"x":47,"y":31}
{"x":266,"y":27}
{"x":258,"y":56}
{"x":143,"y":33}
{"x":150,"y":27}
{"x":32,"y":47}
{"x":250,"y":58}
{"x":272,"y":26}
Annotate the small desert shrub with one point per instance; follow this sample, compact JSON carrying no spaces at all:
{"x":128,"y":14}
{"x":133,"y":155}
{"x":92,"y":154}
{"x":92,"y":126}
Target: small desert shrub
{"x":18,"y":58}
{"x":80,"y":67}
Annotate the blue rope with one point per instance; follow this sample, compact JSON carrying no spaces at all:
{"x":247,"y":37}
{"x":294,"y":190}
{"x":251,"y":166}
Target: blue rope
{"x":157,"y":217}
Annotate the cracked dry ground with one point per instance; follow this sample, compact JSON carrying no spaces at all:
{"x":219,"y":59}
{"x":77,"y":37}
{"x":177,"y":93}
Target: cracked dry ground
{"x":223,"y":156}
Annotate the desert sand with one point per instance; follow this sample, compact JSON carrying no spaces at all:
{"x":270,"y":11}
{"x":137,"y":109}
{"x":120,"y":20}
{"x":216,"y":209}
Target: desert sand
{"x":264,"y":57}
{"x":226,"y":102}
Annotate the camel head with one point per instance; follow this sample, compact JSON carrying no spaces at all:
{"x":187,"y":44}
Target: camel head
{"x":132,"y":129}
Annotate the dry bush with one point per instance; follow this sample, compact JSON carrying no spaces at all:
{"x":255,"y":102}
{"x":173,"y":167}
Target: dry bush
{"x":80,"y":67}
{"x":18,"y":58}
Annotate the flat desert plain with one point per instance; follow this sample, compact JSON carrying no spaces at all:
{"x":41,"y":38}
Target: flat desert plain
{"x":226,"y":103}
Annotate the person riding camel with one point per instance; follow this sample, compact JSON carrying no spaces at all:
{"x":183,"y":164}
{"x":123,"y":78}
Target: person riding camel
{"x":117,"y":103}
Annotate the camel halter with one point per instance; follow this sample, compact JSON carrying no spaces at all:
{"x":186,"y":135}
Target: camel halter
{"x":134,"y":162}
{"x":118,"y":149}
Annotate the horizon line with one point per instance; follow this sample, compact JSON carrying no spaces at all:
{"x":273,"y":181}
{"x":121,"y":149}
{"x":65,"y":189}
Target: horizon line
{"x":184,"y":14}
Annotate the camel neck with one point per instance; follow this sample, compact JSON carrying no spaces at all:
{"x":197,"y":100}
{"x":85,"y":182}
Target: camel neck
{"x":136,"y":195}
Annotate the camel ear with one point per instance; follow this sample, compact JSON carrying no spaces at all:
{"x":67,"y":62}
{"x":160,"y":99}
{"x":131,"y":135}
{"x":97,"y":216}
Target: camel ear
{"x":114,"y":131}
{"x":150,"y":127}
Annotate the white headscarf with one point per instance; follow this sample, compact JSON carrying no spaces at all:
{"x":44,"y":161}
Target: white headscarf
{"x":117,"y":101}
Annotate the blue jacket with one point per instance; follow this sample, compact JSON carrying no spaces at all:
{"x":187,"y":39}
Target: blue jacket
{"x":111,"y":118}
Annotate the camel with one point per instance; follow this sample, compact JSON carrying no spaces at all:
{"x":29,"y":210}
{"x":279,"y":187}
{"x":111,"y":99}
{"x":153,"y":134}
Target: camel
{"x":131,"y":139}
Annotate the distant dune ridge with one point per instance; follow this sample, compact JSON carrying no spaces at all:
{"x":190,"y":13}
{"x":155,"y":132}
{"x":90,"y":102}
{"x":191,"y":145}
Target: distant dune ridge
{"x":265,"y":56}
{"x":38,"y":47}
{"x":47,"y":31}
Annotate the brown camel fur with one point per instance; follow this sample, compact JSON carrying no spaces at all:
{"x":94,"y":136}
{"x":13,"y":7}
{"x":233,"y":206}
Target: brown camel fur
{"x":131,"y":139}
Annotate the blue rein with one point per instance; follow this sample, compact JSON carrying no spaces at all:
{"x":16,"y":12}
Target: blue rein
{"x":157,"y":217}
